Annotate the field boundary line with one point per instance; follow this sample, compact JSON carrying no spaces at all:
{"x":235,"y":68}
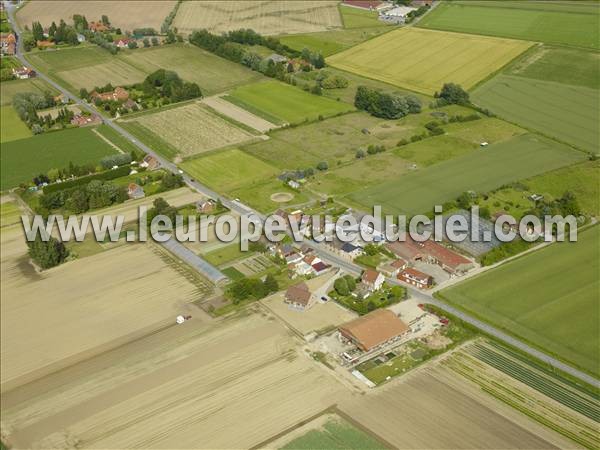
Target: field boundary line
{"x":108,"y":141}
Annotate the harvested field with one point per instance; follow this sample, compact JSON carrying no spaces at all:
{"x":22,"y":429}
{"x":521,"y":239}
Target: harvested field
{"x":238,"y":114}
{"x":51,"y":320}
{"x":424,"y":60}
{"x":116,"y":72}
{"x":432,"y":408}
{"x":124,"y":14}
{"x":193,"y":129}
{"x":183,"y":387}
{"x":265,"y":17}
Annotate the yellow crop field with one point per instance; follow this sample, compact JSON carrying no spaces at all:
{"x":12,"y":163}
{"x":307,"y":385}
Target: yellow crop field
{"x":124,"y":14}
{"x":423,"y":60}
{"x":265,"y":17}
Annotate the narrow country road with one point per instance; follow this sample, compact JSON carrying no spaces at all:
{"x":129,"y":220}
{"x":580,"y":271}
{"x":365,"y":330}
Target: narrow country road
{"x":212,"y":273}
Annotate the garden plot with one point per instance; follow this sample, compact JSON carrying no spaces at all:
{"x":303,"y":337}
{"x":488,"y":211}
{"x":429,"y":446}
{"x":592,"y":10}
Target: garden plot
{"x":193,"y":129}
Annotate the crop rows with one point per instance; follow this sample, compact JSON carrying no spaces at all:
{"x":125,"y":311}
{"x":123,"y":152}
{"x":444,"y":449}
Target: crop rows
{"x":552,"y":388}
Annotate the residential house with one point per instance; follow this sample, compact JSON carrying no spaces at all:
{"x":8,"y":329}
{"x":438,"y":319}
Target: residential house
{"x":299,"y":297}
{"x":319,"y":268}
{"x":97,"y":27}
{"x":205,"y":206}
{"x":372,"y":279}
{"x":284,"y":250}
{"x":8,"y":44}
{"x":150,"y":162}
{"x":44,"y":44}
{"x":302,"y":268}
{"x":123,"y":42}
{"x":416,"y":278}
{"x":374,"y":330}
{"x":118,"y":95}
{"x":293,"y":258}
{"x":135,"y":191}
{"x":23,"y":73}
{"x":351,"y":251}
{"x":131,"y":104}
{"x":81,"y":120}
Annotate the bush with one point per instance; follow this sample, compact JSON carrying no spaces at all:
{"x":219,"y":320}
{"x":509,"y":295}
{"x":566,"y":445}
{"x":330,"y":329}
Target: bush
{"x":322,"y":166}
{"x":47,"y":254}
{"x":384,"y":105}
{"x":119,"y":159}
{"x":453,"y":94}
{"x":360,"y":154}
{"x":341,"y":286}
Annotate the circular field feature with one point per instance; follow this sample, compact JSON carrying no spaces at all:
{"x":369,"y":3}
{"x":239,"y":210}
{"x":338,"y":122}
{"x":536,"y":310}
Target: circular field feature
{"x":282,"y":197}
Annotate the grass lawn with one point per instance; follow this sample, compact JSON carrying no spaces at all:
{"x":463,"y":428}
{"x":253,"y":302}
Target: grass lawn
{"x":549,"y":298}
{"x":212,"y":73}
{"x":228,"y":170}
{"x":288,"y":103}
{"x":23,"y":159}
{"x":8,"y":89}
{"x":481,"y":171}
{"x":360,"y":18}
{"x":423,"y":60}
{"x":226,"y":254}
{"x":120,"y":141}
{"x":258,"y":195}
{"x":11,"y":125}
{"x":568,"y":113}
{"x":329,"y":42}
{"x":9,"y":213}
{"x":560,"y":64}
{"x":569,"y":23}
{"x":336,"y":433}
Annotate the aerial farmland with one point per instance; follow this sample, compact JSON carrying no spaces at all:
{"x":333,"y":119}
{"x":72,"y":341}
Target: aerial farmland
{"x":188,"y":253}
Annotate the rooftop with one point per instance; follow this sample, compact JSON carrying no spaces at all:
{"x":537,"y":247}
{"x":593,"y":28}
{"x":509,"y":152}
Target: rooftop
{"x":375,"y":328}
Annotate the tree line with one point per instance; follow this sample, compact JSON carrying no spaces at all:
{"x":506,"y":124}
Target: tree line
{"x":384,"y":105}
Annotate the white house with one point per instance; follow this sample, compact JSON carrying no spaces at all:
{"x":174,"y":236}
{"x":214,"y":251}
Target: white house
{"x":373,"y":279}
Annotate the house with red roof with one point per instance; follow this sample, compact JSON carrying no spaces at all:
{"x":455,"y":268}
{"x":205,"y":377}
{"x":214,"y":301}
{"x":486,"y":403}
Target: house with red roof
{"x":299,"y":297}
{"x":431,"y":252}
{"x":416,"y":278}
{"x":372,"y":279}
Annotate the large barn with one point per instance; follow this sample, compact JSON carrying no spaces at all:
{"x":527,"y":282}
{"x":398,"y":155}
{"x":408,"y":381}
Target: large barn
{"x":373,"y":329}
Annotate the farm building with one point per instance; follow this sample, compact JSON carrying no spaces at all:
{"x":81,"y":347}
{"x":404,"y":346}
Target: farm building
{"x":416,"y":278}
{"x":431,"y":252}
{"x":97,"y":27}
{"x":83,"y":121}
{"x":371,"y":5}
{"x":392,"y":269}
{"x":205,"y":206}
{"x":23,"y":73}
{"x":374,"y":329}
{"x":395,"y":15}
{"x":299,"y":297}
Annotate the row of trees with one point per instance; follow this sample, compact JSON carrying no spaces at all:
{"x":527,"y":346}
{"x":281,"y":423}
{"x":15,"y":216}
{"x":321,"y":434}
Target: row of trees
{"x":47,"y":254}
{"x":62,"y":33}
{"x":386,"y":106}
{"x":96,"y":194}
{"x":252,"y":288}
{"x":27,"y":104}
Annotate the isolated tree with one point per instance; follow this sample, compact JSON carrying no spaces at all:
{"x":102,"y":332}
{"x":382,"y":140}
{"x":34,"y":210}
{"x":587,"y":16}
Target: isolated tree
{"x":146,"y":42}
{"x":454,"y":94}
{"x":47,"y":254}
{"x":132,"y":45}
{"x":341,"y":287}
{"x":350,"y":282}
{"x":360,"y":154}
{"x":155,"y":41}
{"x":323,"y":166}
{"x":105,"y":20}
{"x":38,"y":31}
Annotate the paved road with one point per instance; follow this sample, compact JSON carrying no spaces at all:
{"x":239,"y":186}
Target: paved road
{"x":325,"y":254}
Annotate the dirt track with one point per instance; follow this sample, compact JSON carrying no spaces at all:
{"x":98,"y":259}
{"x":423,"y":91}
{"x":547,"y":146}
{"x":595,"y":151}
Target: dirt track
{"x":238,"y":114}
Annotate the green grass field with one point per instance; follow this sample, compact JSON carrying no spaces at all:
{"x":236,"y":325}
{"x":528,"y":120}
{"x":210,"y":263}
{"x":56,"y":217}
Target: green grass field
{"x":568,"y":113}
{"x":569,"y":23}
{"x":226,"y":254}
{"x":8,"y":89}
{"x":25,"y":158}
{"x":423,"y":60}
{"x":549,"y":298}
{"x":360,"y":18}
{"x":481,"y":171}
{"x":329,"y":42}
{"x":336,"y":433}
{"x":228,"y":170}
{"x":288,"y":103}
{"x":12,"y":127}
{"x":560,"y":64}
{"x":9,"y":213}
{"x":92,"y":66}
